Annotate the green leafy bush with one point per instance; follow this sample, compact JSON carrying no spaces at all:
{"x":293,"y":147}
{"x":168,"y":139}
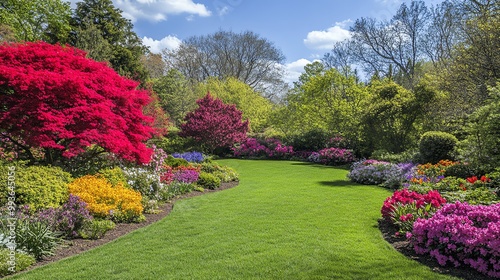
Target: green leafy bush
{"x":436,"y":146}
{"x":37,"y":186}
{"x":115,"y":176}
{"x":462,"y":170}
{"x":406,"y":156}
{"x":175,"y":162}
{"x":95,"y":229}
{"x":208,"y":181}
{"x":482,"y":143}
{"x":22,"y":261}
{"x":479,"y":196}
{"x":312,"y":140}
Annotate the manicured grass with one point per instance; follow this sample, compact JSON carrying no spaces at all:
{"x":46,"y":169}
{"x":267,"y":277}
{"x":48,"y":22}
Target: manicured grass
{"x":286,"y":220}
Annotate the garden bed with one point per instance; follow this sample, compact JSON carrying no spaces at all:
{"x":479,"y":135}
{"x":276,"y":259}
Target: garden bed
{"x":404,"y":247}
{"x":77,"y":246}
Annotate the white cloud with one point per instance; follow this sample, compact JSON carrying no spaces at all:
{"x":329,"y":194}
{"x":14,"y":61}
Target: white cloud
{"x":324,"y":39}
{"x":295,"y":69}
{"x":158,"y":10}
{"x":221,"y":11}
{"x":156,"y":46}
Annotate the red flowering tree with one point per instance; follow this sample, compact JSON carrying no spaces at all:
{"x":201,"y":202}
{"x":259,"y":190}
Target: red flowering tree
{"x":214,"y":124}
{"x":54,"y":99}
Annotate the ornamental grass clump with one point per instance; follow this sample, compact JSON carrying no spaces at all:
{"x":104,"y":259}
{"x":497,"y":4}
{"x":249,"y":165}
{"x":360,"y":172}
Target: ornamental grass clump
{"x":107,"y":201}
{"x":460,"y":233}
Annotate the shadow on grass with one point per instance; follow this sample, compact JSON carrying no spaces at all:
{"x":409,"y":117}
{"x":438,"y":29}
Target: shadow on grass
{"x":337,"y":183}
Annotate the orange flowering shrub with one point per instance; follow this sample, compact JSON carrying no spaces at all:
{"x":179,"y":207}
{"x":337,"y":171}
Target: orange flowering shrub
{"x":435,"y":170}
{"x":103,"y":200}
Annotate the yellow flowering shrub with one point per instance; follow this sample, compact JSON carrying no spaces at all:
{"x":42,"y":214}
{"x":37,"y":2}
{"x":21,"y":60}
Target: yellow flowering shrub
{"x":107,"y":201}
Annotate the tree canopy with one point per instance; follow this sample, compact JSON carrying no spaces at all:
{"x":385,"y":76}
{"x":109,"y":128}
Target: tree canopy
{"x":245,"y":56}
{"x":33,"y":20}
{"x":54,"y":98}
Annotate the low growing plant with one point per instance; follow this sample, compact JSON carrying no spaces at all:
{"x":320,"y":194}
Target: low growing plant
{"x":36,"y":238}
{"x":8,"y":266}
{"x":96,"y":229}
{"x":208,"y":181}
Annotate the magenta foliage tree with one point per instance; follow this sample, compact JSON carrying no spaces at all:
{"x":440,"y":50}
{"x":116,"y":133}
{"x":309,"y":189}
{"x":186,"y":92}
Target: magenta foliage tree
{"x":54,"y":99}
{"x":214,"y":124}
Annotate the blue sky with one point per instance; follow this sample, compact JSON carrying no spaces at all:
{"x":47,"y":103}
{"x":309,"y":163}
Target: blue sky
{"x":302,"y":30}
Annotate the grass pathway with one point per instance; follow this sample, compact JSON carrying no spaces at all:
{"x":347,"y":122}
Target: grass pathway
{"x":286,"y":220}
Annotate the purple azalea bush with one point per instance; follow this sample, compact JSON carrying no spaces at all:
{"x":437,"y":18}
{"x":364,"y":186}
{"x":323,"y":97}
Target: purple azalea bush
{"x":460,"y":233}
{"x":186,"y":176}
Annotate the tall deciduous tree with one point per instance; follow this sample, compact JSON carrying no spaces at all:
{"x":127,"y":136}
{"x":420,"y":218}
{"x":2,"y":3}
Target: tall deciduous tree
{"x":382,"y":45}
{"x":33,"y":20}
{"x":214,"y":124}
{"x":176,"y":95}
{"x":54,"y":98}
{"x":245,"y":56}
{"x":98,"y":24}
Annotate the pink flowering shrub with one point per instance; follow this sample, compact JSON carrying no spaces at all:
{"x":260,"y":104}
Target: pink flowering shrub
{"x":459,"y":234}
{"x":270,"y":148}
{"x":250,"y":147}
{"x":335,"y":156}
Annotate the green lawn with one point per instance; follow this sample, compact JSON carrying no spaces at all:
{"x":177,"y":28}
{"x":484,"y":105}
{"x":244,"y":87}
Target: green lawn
{"x":286,"y":220}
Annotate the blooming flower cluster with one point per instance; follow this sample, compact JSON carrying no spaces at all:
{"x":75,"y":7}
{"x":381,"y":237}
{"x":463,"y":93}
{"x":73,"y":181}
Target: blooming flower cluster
{"x":404,"y":197}
{"x":369,"y":173}
{"x":335,"y":156}
{"x":69,"y":218}
{"x":435,"y":170}
{"x":271,"y":148}
{"x":460,"y":233}
{"x":186,"y":174}
{"x":190,"y":156}
{"x":104,"y":200}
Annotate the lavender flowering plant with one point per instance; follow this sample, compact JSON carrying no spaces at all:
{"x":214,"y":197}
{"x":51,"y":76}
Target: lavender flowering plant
{"x":190,"y":156}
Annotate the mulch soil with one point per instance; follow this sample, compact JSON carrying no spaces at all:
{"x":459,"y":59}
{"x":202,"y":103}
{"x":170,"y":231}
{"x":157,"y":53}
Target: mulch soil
{"x":403,"y":246}
{"x":77,"y":246}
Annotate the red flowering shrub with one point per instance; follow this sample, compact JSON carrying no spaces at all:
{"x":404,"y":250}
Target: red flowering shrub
{"x":404,"y":196}
{"x":56,"y":99}
{"x":214,"y":124}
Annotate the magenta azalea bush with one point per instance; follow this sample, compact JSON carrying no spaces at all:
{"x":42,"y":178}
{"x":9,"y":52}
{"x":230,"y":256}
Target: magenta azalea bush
{"x":271,"y":148}
{"x":460,"y":233}
{"x":335,"y":156}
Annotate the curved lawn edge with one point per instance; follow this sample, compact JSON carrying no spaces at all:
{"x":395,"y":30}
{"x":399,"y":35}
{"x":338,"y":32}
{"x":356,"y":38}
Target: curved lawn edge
{"x":285,"y":220}
{"x":74,"y":247}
